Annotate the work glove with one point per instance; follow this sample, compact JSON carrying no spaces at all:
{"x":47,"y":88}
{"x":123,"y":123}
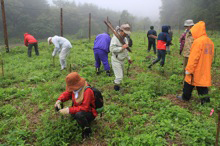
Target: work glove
{"x":187,"y":73}
{"x":130,"y":61}
{"x":64,"y":111}
{"x":57,"y":104}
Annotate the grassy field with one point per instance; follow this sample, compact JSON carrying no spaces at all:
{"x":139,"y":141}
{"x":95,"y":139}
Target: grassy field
{"x":144,"y":112}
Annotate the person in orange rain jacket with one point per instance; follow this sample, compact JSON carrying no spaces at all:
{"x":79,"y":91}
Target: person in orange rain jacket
{"x":30,"y":41}
{"x":198,"y":69}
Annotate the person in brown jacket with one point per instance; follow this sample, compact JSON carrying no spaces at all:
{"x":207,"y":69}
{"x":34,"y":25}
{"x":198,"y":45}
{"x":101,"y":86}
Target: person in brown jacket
{"x":188,"y":42}
{"x":198,"y":69}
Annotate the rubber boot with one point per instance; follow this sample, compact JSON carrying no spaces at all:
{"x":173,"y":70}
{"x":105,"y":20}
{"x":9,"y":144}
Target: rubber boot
{"x":86,"y":132}
{"x":108,"y":73}
{"x":117,"y":87}
{"x":98,"y":71}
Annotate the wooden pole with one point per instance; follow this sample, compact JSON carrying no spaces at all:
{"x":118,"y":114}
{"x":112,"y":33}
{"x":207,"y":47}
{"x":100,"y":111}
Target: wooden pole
{"x":61,"y":22}
{"x":218,"y":128}
{"x":70,"y":70}
{"x":107,"y":26}
{"x":89,"y":27}
{"x":2,"y":68}
{"x":5,"y":26}
{"x":53,"y":61}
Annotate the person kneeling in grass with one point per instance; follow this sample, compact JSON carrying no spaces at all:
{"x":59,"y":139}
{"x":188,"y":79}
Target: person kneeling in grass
{"x":83,"y":107}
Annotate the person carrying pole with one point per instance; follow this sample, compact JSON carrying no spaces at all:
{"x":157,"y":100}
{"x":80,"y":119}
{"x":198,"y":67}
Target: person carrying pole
{"x":62,"y":46}
{"x":30,"y":41}
{"x":198,"y":69}
{"x":119,"y":54}
{"x":163,"y":41}
{"x":101,"y":50}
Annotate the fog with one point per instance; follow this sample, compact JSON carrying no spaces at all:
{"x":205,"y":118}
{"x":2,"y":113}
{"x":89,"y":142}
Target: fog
{"x":141,"y":8}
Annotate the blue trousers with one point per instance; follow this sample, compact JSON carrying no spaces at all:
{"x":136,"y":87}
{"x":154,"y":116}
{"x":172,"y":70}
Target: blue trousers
{"x":161,"y":54}
{"x":101,"y":56}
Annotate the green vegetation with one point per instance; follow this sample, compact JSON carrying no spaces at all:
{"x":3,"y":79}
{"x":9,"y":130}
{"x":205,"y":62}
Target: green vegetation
{"x":144,"y":112}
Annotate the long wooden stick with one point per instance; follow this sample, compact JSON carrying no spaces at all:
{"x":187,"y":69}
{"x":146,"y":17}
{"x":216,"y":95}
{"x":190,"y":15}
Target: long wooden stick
{"x":218,"y":128}
{"x":116,"y":34}
{"x":54,"y":61}
{"x":2,"y":68}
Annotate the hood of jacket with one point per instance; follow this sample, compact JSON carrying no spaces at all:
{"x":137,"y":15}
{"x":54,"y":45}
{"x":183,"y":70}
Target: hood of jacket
{"x":165,"y":29}
{"x":26,"y":34}
{"x":198,"y":30}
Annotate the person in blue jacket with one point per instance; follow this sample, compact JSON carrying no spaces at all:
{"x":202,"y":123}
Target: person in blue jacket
{"x":163,"y":41}
{"x":151,"y":40}
{"x":101,"y":50}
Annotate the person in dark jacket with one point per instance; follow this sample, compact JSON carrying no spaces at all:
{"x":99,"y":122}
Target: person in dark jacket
{"x":170,"y":32}
{"x":101,"y":50}
{"x":83,"y":99}
{"x":151,"y":40}
{"x":163,"y":41}
{"x":30,"y":41}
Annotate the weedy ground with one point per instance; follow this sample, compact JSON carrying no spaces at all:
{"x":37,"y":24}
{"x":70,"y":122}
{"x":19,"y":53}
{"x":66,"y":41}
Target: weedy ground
{"x":144,"y":112}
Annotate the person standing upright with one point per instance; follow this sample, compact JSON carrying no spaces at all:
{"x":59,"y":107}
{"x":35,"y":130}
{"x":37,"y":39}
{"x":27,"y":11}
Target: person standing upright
{"x":119,"y":54}
{"x":170,"y":32}
{"x":101,"y":50}
{"x":198,"y":69}
{"x":151,"y":39}
{"x":163,"y":41}
{"x":62,"y":46}
{"x":188,"y":42}
{"x":30,"y":41}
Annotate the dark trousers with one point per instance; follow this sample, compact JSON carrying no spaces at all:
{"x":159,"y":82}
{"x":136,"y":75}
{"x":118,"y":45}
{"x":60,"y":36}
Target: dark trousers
{"x":161,"y":54}
{"x":187,"y":91}
{"x":150,"y":44}
{"x":30,"y":49}
{"x":83,"y":118}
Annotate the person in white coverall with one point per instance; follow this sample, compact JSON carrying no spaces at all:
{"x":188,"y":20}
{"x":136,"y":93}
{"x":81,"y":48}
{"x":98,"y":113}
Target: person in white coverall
{"x":62,"y":46}
{"x":119,"y":54}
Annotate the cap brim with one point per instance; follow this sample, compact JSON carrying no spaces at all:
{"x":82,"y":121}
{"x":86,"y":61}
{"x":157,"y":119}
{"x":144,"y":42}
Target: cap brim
{"x":75,"y":87}
{"x":127,"y":32}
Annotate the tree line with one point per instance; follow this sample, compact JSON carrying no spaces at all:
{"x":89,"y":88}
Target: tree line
{"x":175,"y":12}
{"x":42,"y":20}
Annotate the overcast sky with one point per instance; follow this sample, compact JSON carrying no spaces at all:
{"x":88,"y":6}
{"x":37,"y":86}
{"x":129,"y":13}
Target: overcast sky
{"x":143,"y":8}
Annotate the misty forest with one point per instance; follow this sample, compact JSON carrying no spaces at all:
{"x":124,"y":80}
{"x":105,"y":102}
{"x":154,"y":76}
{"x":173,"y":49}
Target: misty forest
{"x":147,"y":106}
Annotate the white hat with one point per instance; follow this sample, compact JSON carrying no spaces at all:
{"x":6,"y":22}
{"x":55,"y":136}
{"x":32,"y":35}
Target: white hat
{"x":188,"y":22}
{"x":126,"y":28}
{"x":48,"y":40}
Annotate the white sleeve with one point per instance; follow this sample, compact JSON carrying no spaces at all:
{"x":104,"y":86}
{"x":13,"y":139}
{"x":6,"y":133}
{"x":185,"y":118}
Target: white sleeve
{"x":114,"y":47}
{"x":57,"y":46}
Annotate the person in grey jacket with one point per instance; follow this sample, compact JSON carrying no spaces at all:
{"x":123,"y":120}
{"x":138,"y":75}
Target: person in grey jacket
{"x":119,"y":54}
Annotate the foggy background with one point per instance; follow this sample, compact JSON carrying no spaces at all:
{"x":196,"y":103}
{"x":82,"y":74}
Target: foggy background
{"x":41,"y":18}
{"x":141,"y":8}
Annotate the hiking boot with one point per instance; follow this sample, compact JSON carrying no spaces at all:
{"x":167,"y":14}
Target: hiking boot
{"x":179,"y":97}
{"x":108,"y":73}
{"x":205,"y":100}
{"x":150,"y":66}
{"x":98,"y":71}
{"x":117,"y":87}
{"x":62,"y":69}
{"x":87,"y":131}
